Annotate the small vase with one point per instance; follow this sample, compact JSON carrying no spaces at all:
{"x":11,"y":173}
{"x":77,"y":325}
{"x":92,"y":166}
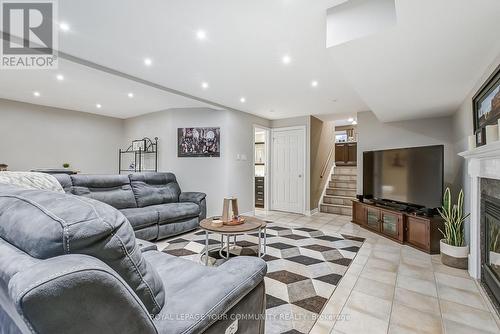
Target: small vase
{"x":454,"y":256}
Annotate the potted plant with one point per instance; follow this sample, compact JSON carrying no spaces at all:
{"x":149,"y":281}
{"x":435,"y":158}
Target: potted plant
{"x":65,"y":165}
{"x":454,"y":252}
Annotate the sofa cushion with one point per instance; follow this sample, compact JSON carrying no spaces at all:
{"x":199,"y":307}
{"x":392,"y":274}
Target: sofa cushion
{"x":171,"y":212}
{"x":141,"y":217}
{"x":114,"y":190}
{"x":64,"y":180}
{"x":45,"y":224}
{"x":212,"y":290}
{"x":154,"y":188}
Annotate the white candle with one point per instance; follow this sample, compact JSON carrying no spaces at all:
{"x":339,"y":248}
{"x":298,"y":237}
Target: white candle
{"x":472,"y":142}
{"x":491,"y":133}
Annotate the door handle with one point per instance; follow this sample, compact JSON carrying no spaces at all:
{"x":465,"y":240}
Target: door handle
{"x":300,"y":175}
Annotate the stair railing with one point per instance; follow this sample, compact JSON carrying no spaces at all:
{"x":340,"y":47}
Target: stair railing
{"x":327,"y":162}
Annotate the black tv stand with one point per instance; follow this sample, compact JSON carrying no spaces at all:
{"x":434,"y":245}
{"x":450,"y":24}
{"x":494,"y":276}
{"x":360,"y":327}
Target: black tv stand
{"x":398,"y":206}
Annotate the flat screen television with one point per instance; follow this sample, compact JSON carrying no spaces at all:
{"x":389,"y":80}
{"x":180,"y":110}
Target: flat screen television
{"x":411,"y":176}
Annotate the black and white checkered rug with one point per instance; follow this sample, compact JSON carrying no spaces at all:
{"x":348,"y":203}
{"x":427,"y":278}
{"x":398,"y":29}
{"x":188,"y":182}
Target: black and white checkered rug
{"x":304,"y":267}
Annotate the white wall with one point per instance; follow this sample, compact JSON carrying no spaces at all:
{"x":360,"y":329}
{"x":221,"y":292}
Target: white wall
{"x":217,"y":177}
{"x":375,"y":135}
{"x":33,"y":136}
{"x":463,"y":126}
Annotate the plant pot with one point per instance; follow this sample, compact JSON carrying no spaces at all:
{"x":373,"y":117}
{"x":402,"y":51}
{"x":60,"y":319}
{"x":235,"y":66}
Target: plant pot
{"x":453,"y":256}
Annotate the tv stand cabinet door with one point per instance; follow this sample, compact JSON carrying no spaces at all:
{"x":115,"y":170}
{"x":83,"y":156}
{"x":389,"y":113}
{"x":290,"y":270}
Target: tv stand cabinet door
{"x":358,"y":213}
{"x":373,"y":219}
{"x":417,"y":233}
{"x":392,"y":225}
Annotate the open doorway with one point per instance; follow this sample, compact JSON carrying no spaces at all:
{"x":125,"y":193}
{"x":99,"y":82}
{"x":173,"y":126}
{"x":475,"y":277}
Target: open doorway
{"x":261,"y":167}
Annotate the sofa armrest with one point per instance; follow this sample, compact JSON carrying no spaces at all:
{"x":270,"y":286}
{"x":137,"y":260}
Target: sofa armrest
{"x":77,"y":294}
{"x":193,"y":197}
{"x":146,"y":246}
{"x":197,"y":198}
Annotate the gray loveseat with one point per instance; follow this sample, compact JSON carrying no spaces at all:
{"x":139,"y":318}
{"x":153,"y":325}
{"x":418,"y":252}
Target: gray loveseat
{"x":71,"y":264}
{"x":152,"y":202}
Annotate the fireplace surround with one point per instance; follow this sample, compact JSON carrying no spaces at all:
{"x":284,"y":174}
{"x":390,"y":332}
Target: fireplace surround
{"x":483,"y":188}
{"x":490,"y":236}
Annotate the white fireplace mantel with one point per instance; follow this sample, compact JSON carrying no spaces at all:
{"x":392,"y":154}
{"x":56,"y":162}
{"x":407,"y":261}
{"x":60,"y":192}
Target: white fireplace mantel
{"x":483,"y":162}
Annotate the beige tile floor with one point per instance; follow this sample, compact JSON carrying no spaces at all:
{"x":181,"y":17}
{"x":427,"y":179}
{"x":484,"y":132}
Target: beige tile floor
{"x":390,"y":288}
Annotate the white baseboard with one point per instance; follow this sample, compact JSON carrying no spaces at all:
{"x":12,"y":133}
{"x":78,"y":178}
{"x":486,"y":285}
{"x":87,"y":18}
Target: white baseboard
{"x":312,"y":212}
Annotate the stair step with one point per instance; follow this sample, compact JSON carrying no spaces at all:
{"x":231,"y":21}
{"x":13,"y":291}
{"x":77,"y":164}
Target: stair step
{"x":339,"y":200}
{"x":340,"y":170}
{"x":341,"y":192}
{"x":336,"y":209}
{"x":337,"y":177}
{"x":343,"y":184}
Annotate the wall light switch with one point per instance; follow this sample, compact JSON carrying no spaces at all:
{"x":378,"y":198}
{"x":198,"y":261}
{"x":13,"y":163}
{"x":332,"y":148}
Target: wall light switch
{"x":244,"y":157}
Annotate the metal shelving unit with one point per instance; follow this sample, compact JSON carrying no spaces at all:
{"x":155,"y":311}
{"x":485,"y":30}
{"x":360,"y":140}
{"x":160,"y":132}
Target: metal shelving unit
{"x":141,"y":148}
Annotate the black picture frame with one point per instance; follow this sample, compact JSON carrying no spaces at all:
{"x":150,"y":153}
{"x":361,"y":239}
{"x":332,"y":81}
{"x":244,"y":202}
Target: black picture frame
{"x":486,"y":106}
{"x":198,"y":142}
{"x":139,"y":144}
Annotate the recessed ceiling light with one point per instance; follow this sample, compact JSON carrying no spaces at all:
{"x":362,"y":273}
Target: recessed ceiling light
{"x":350,"y":119}
{"x":130,"y":95}
{"x":64,"y":26}
{"x":60,"y":77}
{"x":148,"y":61}
{"x":314,"y":83}
{"x":354,"y":123}
{"x":286,"y":59}
{"x":36,"y":94}
{"x":98,"y":106}
{"x":201,"y":34}
{"x":204,"y":85}
{"x":243,"y":100}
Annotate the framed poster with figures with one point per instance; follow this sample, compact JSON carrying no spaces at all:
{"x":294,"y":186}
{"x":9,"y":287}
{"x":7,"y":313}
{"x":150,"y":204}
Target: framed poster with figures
{"x":198,"y":142}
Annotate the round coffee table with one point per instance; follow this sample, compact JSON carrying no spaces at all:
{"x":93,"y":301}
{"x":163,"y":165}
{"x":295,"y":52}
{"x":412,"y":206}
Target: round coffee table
{"x":251,"y":224}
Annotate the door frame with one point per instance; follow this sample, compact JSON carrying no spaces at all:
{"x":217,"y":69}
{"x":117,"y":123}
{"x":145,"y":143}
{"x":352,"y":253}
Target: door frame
{"x":304,"y":183}
{"x":267,"y":172}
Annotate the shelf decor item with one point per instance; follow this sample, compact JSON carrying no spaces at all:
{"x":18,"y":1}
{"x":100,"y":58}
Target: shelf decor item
{"x":491,"y":133}
{"x":143,"y":154}
{"x":486,"y":107}
{"x":472,"y":142}
{"x":65,"y":165}
{"x":198,"y":142}
{"x":3,"y":167}
{"x":454,"y":252}
{"x":230,"y":214}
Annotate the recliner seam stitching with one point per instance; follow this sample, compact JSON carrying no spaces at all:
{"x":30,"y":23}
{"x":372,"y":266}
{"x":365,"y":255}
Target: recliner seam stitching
{"x":127,"y":254}
{"x":49,"y":213}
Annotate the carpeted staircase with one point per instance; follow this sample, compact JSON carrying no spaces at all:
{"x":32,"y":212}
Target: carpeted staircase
{"x":340,"y":192}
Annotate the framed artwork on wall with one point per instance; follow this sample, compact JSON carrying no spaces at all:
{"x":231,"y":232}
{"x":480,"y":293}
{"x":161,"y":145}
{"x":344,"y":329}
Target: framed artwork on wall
{"x":486,"y":106}
{"x":198,"y":142}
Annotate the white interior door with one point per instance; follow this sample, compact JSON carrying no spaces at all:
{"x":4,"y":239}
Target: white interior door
{"x":288,"y":167}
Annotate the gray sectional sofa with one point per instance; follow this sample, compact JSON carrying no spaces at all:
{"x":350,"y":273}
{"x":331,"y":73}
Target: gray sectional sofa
{"x":152,"y":202}
{"x":71,"y":264}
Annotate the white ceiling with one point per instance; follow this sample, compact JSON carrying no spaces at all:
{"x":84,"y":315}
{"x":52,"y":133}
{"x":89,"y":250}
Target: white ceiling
{"x":83,"y":88}
{"x":426,"y":65}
